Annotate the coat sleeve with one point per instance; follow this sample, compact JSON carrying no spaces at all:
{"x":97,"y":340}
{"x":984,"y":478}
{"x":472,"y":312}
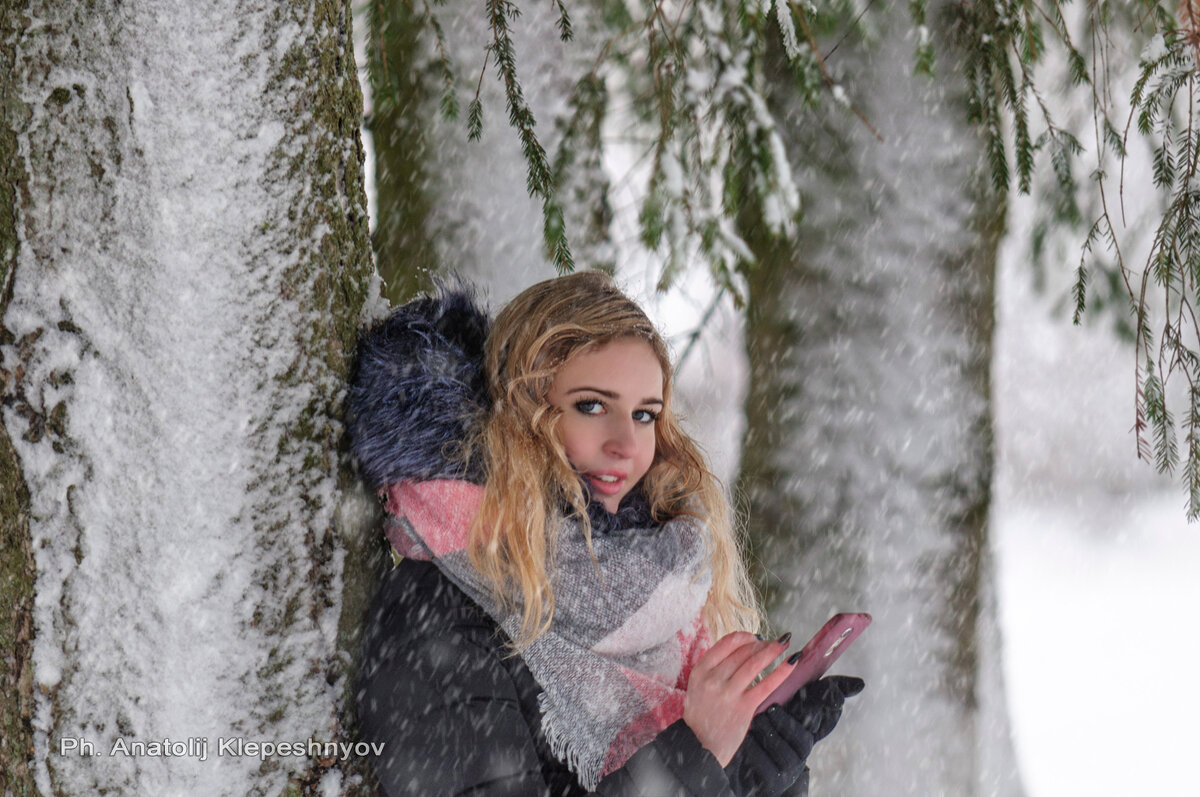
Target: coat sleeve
{"x":450,"y":723}
{"x":674,"y":763}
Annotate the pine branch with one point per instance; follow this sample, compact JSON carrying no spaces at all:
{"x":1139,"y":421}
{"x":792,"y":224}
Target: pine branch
{"x":475,"y":107}
{"x":802,"y":18}
{"x":923,"y":56}
{"x":1192,"y":469}
{"x":580,"y":133}
{"x":695,"y":334}
{"x":1162,"y":424}
{"x":565,"y":31}
{"x":449,"y":103}
{"x":538,"y":183}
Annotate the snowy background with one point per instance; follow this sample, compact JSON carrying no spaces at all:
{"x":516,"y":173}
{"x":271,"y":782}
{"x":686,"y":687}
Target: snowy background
{"x":1097,"y":563}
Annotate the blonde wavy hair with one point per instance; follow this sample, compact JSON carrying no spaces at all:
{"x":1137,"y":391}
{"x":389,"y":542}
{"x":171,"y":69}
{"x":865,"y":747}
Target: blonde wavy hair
{"x":530,"y":480}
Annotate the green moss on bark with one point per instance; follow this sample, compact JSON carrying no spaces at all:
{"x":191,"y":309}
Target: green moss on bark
{"x":330,"y":278}
{"x":16,"y":555}
{"x":16,"y":627}
{"x":964,"y":571}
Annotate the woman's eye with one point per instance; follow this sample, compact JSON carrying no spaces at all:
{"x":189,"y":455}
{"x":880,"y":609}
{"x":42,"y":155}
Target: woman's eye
{"x":645,"y":416}
{"x":589,"y":407}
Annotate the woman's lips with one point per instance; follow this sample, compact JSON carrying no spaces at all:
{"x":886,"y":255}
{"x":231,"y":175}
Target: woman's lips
{"x":606,"y":487}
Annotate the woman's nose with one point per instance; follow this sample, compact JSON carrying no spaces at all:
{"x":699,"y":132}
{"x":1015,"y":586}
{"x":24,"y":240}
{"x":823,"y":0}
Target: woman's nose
{"x":621,"y":440}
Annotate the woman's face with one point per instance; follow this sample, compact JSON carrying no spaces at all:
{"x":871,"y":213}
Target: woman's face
{"x":610,"y":397}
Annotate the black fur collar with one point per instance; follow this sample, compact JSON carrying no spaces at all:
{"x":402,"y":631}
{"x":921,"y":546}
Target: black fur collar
{"x":633,"y":513}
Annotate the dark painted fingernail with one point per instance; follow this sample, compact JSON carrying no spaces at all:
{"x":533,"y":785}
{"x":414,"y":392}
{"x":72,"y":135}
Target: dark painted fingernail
{"x":786,"y":638}
{"x":759,"y":637}
{"x":795,"y":657}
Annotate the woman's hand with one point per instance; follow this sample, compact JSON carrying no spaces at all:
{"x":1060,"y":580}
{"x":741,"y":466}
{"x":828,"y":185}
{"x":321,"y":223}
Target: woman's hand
{"x":720,"y":700}
{"x":775,"y":752}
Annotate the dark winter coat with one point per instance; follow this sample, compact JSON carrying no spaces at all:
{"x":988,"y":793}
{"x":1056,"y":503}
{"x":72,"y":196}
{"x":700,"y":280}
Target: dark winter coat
{"x":458,"y":714}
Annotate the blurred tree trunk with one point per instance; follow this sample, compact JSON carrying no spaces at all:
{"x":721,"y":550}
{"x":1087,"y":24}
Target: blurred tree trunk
{"x":183,"y":261}
{"x":867,"y":461}
{"x":447,"y":204}
{"x":403,"y":111}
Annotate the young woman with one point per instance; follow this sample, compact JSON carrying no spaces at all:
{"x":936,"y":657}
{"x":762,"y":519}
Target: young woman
{"x":566,"y":560}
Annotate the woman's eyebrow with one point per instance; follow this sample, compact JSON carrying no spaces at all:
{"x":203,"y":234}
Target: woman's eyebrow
{"x":608,"y":394}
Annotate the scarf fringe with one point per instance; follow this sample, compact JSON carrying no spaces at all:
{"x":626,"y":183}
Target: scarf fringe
{"x":566,"y":748}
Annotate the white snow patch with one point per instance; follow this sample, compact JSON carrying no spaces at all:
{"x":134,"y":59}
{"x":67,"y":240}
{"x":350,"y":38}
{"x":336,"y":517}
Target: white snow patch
{"x":787,"y":29}
{"x":1154,"y":50}
{"x":672,"y":173}
{"x":1097,"y":597}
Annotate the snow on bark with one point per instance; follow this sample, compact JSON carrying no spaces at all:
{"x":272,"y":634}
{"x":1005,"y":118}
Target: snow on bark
{"x":191,"y":262}
{"x":868,"y":458}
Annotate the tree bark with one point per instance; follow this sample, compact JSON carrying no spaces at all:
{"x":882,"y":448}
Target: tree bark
{"x":867,"y":461}
{"x":183,"y":186}
{"x":16,"y":554}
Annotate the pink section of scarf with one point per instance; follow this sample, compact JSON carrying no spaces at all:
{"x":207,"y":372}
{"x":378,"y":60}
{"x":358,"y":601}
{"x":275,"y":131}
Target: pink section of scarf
{"x":441,"y":511}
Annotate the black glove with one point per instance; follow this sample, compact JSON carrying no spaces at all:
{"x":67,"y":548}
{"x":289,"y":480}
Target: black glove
{"x":775,"y":752}
{"x":772,"y":756}
{"x":818,"y":706}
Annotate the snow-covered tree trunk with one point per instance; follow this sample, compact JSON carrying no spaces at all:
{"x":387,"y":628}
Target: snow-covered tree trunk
{"x":184,"y":260}
{"x":867,"y":462}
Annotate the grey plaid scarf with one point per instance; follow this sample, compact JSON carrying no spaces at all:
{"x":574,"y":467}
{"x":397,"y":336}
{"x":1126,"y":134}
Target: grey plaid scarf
{"x":626,"y":630}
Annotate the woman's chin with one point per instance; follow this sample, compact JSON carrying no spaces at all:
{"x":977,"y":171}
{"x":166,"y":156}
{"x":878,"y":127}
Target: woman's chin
{"x":611,"y":505}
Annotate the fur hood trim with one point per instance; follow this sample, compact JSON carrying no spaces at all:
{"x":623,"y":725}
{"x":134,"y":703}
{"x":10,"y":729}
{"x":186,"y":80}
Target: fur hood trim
{"x":418,"y":387}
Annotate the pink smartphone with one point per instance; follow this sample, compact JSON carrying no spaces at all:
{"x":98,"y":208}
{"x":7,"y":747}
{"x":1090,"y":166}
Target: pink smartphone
{"x":818,"y":655}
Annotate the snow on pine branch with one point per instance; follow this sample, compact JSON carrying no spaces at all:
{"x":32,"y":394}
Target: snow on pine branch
{"x":690,"y":68}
